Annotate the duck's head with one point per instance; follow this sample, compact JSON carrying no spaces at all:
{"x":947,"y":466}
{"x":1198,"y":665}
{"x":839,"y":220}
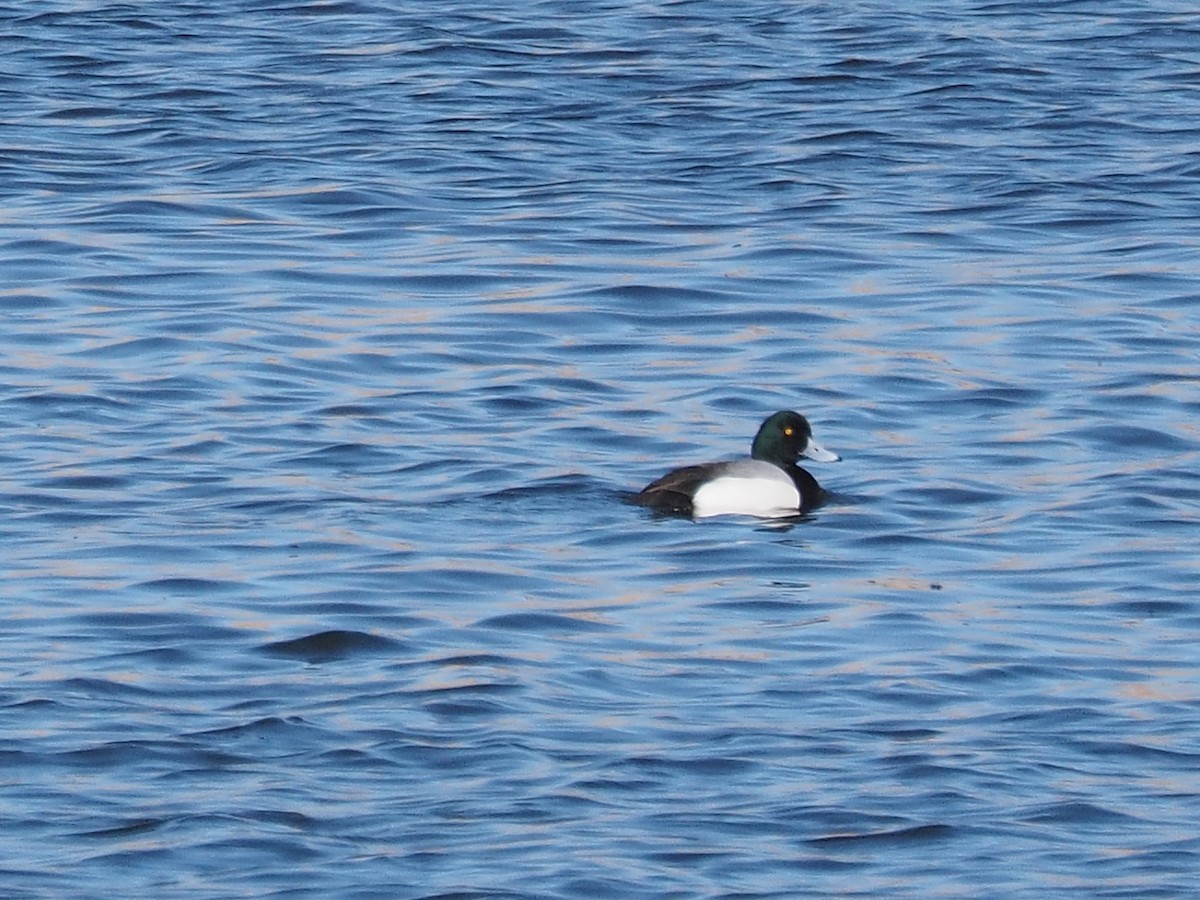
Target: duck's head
{"x":786,"y":436}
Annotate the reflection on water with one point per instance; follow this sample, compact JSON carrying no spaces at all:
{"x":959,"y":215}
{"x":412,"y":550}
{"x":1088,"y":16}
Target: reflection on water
{"x":337,"y":336}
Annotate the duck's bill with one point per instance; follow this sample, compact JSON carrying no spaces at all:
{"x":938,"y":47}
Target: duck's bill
{"x":812,"y":450}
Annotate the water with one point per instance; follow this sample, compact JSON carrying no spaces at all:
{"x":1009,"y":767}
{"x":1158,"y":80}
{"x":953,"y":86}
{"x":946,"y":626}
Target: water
{"x":336,"y":335}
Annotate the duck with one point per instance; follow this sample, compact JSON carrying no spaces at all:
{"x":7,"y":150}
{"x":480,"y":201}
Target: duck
{"x":768,"y":485}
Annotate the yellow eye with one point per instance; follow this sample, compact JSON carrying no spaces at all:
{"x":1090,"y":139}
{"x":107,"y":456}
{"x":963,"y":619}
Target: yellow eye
{"x":789,"y":431}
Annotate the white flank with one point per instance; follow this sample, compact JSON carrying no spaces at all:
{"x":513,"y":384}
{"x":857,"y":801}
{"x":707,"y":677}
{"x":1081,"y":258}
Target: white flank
{"x":732,"y":495}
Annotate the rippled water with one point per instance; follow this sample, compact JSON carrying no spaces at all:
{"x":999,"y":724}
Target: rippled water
{"x":337,"y":334}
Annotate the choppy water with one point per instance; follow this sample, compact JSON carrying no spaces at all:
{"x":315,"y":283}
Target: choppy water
{"x":336,"y":333}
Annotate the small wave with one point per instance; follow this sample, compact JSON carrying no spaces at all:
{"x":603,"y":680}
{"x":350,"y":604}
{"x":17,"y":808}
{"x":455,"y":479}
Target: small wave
{"x":327,"y":646}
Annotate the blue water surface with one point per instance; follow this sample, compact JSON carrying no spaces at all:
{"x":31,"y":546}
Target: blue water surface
{"x":336,"y":335}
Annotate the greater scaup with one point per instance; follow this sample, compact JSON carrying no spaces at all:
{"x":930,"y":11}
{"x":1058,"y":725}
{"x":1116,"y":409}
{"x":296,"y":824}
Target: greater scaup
{"x":768,"y":485}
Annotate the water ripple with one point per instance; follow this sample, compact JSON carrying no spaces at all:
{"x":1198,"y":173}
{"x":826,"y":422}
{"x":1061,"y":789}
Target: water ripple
{"x":339,"y":333}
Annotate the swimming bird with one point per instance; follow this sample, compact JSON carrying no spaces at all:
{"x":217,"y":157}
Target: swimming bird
{"x":769,"y":484}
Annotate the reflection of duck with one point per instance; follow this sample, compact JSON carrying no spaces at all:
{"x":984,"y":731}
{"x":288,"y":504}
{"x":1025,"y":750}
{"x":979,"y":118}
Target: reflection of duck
{"x":769,"y":484}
